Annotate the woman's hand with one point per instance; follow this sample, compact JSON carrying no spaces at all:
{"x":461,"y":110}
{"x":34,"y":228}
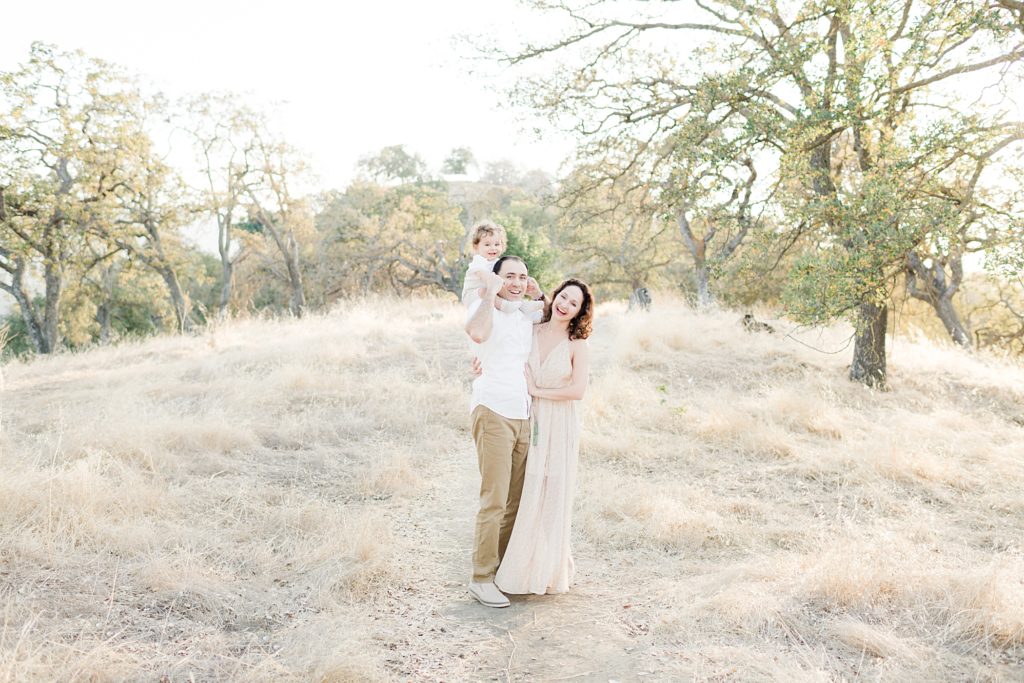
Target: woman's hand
{"x":475,"y":367}
{"x":531,"y":385}
{"x":533,"y":289}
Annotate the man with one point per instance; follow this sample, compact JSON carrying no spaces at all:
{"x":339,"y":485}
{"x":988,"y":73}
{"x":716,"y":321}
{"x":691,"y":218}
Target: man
{"x":500,"y":408}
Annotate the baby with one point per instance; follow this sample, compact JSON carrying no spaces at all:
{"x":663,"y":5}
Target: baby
{"x":489,"y":243}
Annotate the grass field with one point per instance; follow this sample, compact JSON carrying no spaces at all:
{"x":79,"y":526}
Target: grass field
{"x":294,"y":500}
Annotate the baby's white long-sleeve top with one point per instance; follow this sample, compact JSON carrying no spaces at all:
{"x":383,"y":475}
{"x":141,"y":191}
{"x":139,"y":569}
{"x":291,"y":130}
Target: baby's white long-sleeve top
{"x":474,"y":279}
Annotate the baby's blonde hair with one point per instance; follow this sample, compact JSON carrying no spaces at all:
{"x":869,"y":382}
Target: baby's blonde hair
{"x":486,"y":228}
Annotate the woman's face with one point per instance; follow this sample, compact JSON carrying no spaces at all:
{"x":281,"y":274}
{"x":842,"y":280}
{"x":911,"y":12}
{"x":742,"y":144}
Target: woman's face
{"x":567,"y":304}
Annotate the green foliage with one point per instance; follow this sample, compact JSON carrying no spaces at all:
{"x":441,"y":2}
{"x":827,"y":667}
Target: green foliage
{"x":394,"y":164}
{"x":870,"y":231}
{"x":251,"y":226}
{"x":458,"y":161}
{"x":137,"y":304}
{"x":532,"y":246}
{"x":14,"y":335}
{"x":398,"y":238}
{"x":200,"y":276}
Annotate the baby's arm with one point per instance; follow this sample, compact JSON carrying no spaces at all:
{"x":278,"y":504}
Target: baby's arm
{"x":506,"y":306}
{"x":471,"y":286}
{"x":475,"y":279}
{"x":534,"y":310}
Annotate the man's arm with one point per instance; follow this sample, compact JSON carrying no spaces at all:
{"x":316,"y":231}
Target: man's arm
{"x":480,"y":322}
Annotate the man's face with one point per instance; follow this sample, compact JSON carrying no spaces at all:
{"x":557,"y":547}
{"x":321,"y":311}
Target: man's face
{"x":515,"y":277}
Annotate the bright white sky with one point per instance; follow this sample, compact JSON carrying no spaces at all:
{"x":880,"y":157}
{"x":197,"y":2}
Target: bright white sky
{"x":345,"y":80}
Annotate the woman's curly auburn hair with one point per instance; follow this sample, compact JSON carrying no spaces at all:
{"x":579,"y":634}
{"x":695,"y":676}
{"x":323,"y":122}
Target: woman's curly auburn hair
{"x":579,"y":326}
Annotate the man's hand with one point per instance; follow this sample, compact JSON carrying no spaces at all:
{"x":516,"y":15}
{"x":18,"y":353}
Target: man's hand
{"x":533,"y":289}
{"x":475,"y":367}
{"x":531,"y":384}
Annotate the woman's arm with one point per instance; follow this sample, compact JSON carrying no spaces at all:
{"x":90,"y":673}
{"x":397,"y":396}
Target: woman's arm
{"x":577,"y":386}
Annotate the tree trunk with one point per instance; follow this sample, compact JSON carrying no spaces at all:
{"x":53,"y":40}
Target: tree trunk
{"x":53,"y":281}
{"x":35,"y":331}
{"x":368,"y":274}
{"x":450,"y":283}
{"x":103,"y":310}
{"x":103,"y":318}
{"x":289,"y":249}
{"x":929,"y":284}
{"x":28,"y":311}
{"x":698,"y":251}
{"x":227,"y":265}
{"x":947,"y":314}
{"x":298,"y":302}
{"x":821,"y":165}
{"x":704,"y":297}
{"x":869,"y":347}
{"x":162,"y":265}
{"x":182,"y":308}
{"x":226,"y":270}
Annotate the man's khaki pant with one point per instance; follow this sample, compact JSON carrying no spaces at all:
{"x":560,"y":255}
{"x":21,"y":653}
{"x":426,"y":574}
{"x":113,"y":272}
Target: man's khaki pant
{"x":501,"y":448}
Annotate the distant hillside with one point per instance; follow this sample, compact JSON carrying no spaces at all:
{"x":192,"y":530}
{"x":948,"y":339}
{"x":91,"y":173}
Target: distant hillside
{"x":294,"y":500}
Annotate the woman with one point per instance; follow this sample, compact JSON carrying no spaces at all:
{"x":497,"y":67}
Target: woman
{"x":538,"y":558}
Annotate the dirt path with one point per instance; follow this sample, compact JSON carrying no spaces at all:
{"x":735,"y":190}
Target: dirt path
{"x":436,"y":631}
{"x":583,"y":635}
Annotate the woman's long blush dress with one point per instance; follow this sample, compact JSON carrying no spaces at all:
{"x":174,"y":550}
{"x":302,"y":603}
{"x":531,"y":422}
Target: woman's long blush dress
{"x":539,"y":556}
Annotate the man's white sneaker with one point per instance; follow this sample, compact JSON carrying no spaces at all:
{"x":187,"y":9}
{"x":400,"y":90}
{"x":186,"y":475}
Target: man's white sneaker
{"x":488,"y":594}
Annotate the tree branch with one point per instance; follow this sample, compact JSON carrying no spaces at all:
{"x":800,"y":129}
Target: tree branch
{"x":955,"y":71}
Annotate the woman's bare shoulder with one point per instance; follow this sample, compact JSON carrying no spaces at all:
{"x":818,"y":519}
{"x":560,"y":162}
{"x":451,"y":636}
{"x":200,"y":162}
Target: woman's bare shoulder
{"x":578,"y":345}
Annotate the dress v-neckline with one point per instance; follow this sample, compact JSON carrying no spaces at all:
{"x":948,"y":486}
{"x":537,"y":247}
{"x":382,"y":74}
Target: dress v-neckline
{"x":544,"y":359}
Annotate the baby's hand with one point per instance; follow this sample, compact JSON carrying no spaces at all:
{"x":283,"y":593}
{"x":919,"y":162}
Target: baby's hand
{"x":494,"y":283}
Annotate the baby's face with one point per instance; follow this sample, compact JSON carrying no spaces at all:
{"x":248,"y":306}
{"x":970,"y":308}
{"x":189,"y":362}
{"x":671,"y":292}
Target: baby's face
{"x":490,"y":247}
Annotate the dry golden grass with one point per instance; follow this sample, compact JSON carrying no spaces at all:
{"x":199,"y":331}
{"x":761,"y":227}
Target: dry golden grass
{"x":294,"y":500}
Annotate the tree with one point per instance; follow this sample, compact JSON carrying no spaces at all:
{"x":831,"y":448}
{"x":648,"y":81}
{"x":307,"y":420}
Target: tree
{"x":502,"y":172}
{"x":15,"y":262}
{"x":394,"y":164}
{"x":403,"y":238}
{"x":222,"y":131}
{"x":1001,"y":324}
{"x":613,"y":234}
{"x":276,"y":210}
{"x":458,"y":161}
{"x":66,"y":122}
{"x":845,"y":93}
{"x":149,"y":231}
{"x":985,"y":219}
{"x":152,"y":208}
{"x":641,"y":124}
{"x":710,"y":189}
